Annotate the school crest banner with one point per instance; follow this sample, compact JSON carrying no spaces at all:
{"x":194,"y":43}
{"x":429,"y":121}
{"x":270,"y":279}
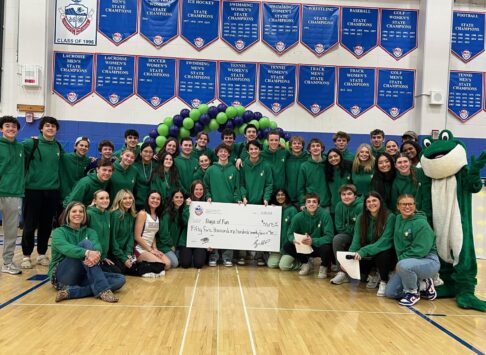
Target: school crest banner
{"x":76,"y":22}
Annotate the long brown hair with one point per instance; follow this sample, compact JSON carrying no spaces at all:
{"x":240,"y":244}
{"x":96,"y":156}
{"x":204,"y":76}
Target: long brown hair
{"x":413,"y":173}
{"x":381,"y":218}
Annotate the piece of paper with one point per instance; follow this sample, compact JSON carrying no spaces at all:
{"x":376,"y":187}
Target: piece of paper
{"x":351,"y":266}
{"x":302,"y":248}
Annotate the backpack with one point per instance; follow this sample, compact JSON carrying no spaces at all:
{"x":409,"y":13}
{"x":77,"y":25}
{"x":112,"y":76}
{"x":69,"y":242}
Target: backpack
{"x":35,"y":147}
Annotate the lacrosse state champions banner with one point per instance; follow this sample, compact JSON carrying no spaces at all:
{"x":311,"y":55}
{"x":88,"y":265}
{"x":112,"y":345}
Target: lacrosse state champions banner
{"x":359,"y":30}
{"x":156,"y":80}
{"x":467,"y":35}
{"x":197,"y":81}
{"x":200,"y":21}
{"x":237,"y":83}
{"x":395,"y":92}
{"x":117,"y":19}
{"x":276,"y":90}
{"x":320,"y":28}
{"x":73,"y":76}
{"x":465,"y":94}
{"x":158,"y":21}
{"x":317,"y":86}
{"x":398,"y":34}
{"x":281,"y":24}
{"x":356,"y":90}
{"x":115,"y":77}
{"x":240,"y":26}
{"x":76,"y":22}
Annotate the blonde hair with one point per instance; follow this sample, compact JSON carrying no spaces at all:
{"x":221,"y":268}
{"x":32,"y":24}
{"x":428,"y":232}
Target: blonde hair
{"x":117,"y":203}
{"x":64,"y":218}
{"x":366,"y":166}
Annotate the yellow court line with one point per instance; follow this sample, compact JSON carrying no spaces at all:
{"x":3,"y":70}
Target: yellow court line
{"x":245,"y":309}
{"x":217,"y":313}
{"x":93,"y":305}
{"x":326,"y":310}
{"x":181,"y":350}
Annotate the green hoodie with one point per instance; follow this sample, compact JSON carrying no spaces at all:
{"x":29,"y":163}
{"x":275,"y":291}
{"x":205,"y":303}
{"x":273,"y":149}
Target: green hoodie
{"x":169,"y":233}
{"x":276,"y":160}
{"x":347,"y":155}
{"x":163,"y":186}
{"x":362,"y":181}
{"x":12,"y":175}
{"x":222,"y":183}
{"x":198,"y":174}
{"x":71,"y":171}
{"x":43,"y":173}
{"x":371,"y":248}
{"x":142,"y":184}
{"x":375,"y":151}
{"x":319,"y":226}
{"x":122,"y":179}
{"x":196,"y":153}
{"x":185,"y":219}
{"x":100,"y":222}
{"x":312,"y":178}
{"x":346,"y":216}
{"x":256,"y":183}
{"x":292,"y":167}
{"x":288,"y":213}
{"x":85,"y":188}
{"x":186,"y":168}
{"x":122,"y":235}
{"x":403,"y":184}
{"x":413,"y":237}
{"x":335,"y":184}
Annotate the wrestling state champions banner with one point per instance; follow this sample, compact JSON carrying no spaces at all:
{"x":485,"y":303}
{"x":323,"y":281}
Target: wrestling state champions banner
{"x":240,"y":24}
{"x":117,"y":19}
{"x":115,"y":77}
{"x":76,"y":22}
{"x":158,"y":21}
{"x":276,"y":86}
{"x":317,"y":86}
{"x":359,"y":30}
{"x":398,"y":32}
{"x":395,"y":91}
{"x":73,"y":76}
{"x":237,"y":83}
{"x":281,"y":25}
{"x":320,"y":28}
{"x":199,"y":22}
{"x":467,"y":35}
{"x":156,"y":80}
{"x":356,"y":90}
{"x":197,"y":81}
{"x":465,"y":94}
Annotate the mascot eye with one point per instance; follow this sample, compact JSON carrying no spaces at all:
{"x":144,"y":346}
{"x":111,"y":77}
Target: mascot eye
{"x":427,"y":142}
{"x":445,"y":136}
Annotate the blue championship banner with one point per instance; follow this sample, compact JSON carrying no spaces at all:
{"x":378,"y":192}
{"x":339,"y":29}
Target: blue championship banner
{"x":200,"y":20}
{"x":281,"y":23}
{"x":317,"y":86}
{"x":114,"y":77}
{"x":356,"y":90}
{"x":320,"y":28}
{"x":465,"y":94}
{"x":156,"y":80}
{"x":197,"y":81}
{"x":359,"y":30}
{"x":240,"y":24}
{"x":467,"y":35}
{"x":73,"y":76}
{"x":396,"y":89}
{"x":117,"y":19}
{"x":398,"y":35}
{"x":158,"y":21}
{"x":276,"y":86}
{"x":237,"y":83}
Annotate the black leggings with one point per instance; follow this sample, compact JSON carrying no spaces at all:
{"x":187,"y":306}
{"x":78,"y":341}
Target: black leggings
{"x":384,"y":262}
{"x":192,"y":257}
{"x":324,"y":252}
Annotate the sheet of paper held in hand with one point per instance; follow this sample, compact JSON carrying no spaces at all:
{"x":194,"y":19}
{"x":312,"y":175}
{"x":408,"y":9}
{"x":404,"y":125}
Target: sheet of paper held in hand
{"x":302,"y":248}
{"x":351,"y":266}
{"x":233,"y":226}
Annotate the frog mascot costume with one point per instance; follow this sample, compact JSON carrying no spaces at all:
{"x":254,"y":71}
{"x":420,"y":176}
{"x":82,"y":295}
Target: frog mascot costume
{"x":444,"y":160}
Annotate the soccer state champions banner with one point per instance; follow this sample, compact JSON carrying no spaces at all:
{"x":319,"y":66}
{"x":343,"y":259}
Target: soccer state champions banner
{"x":115,"y":77}
{"x":396,"y":89}
{"x":240,"y":24}
{"x":73,"y":76}
{"x":276,"y":90}
{"x":237,"y":83}
{"x":156,"y":80}
{"x":465,"y":94}
{"x":197,"y":81}
{"x":317,"y":86}
{"x":117,"y":19}
{"x":398,"y":34}
{"x":200,"y":21}
{"x":359,"y":30}
{"x":356,"y":90}
{"x":320,"y":28}
{"x":281,"y":24}
{"x":76,"y":22}
{"x":467,"y":35}
{"x":158,"y":21}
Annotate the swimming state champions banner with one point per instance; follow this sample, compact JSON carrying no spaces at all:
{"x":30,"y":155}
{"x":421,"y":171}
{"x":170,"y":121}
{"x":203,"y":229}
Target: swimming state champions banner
{"x":398,"y":34}
{"x":237,"y":83}
{"x":200,"y":20}
{"x":240,"y":24}
{"x":320,"y":28}
{"x":396,"y":89}
{"x":158,"y":21}
{"x":75,"y":22}
{"x":114,"y":77}
{"x":467,"y":35}
{"x":359,"y":30}
{"x":276,"y":90}
{"x":117,"y":19}
{"x":317,"y":86}
{"x":281,"y":24}
{"x":73,"y":76}
{"x":356,"y":90}
{"x":465,"y":94}
{"x":156,"y":80}
{"x":197,"y":81}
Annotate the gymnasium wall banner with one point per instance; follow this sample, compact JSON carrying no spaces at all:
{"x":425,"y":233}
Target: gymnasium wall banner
{"x":276,"y":86}
{"x":158,"y":21}
{"x":200,"y":22}
{"x":117,"y":19}
{"x":465,"y":94}
{"x":156,"y":78}
{"x":196,"y":81}
{"x":356,"y":90}
{"x":76,"y":22}
{"x":73,"y":76}
{"x":320,"y":28}
{"x":317,"y":86}
{"x":281,"y":26}
{"x":237,"y":83}
{"x":240,"y":21}
{"x":398,"y":32}
{"x":467,"y":35}
{"x":115,"y":77}
{"x":359,"y":30}
{"x":395,"y":92}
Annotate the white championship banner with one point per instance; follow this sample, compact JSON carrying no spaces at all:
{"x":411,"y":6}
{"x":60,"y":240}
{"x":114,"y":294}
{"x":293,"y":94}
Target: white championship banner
{"x":233,"y":226}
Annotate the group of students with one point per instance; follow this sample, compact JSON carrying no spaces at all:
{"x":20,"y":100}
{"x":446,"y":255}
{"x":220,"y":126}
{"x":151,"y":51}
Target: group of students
{"x":127,"y":212}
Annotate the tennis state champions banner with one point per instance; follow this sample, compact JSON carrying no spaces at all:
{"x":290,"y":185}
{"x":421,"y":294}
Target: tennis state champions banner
{"x":237,"y":83}
{"x":465,"y":94}
{"x":276,"y":86}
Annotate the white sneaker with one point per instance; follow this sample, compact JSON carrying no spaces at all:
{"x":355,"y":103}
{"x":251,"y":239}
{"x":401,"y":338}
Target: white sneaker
{"x":43,"y":260}
{"x":322,"y":272}
{"x":213,"y":262}
{"x":11,"y":269}
{"x":241,"y":261}
{"x":373,"y":280}
{"x":340,"y":278}
{"x":261,"y":262}
{"x":381,"y":289}
{"x":160,"y":274}
{"x":26,"y":263}
{"x":305,"y":269}
{"x":437,"y":280}
{"x":228,"y":263}
{"x":150,"y":275}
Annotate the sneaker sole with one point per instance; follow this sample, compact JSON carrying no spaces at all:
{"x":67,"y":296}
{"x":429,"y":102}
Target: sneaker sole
{"x":12,"y":272}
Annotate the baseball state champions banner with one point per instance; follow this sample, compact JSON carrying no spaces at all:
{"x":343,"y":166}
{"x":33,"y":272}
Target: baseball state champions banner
{"x":76,"y":22}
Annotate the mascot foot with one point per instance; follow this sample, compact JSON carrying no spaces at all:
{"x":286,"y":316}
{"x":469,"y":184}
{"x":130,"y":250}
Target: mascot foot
{"x":446,"y":291}
{"x":470,"y":301}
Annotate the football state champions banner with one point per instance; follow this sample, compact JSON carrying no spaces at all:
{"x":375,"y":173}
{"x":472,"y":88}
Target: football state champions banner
{"x":398,"y":34}
{"x":240,"y":24}
{"x":156,"y":80}
{"x":317,"y":86}
{"x":197,"y":81}
{"x":359,"y":30}
{"x":396,"y":89}
{"x":76,"y":22}
{"x":73,"y":76}
{"x":200,"y":21}
{"x":356,"y":90}
{"x":320,"y":28}
{"x":114,"y":77}
{"x":117,"y":19}
{"x":276,"y":90}
{"x":465,"y":94}
{"x":281,"y":24}
{"x":158,"y":21}
{"x":467,"y":35}
{"x":237,"y":83}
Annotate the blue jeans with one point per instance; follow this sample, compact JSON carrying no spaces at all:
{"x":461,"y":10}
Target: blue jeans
{"x":83,"y":281}
{"x":408,"y":274}
{"x":174,"y":261}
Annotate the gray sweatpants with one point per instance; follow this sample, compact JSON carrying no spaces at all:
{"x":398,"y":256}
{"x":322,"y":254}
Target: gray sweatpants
{"x":10,"y":208}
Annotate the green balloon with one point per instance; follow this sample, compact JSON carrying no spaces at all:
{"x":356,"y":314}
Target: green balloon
{"x":273,"y":124}
{"x":157,"y":149}
{"x":282,"y":141}
{"x":265,"y":142}
{"x":240,"y":110}
{"x":203,"y":108}
{"x":242,"y":128}
{"x":188,"y":123}
{"x":213,"y":124}
{"x":236,"y":130}
{"x":231,"y":112}
{"x":163,"y":129}
{"x":264,"y":122}
{"x":287,"y":145}
{"x":207,"y":129}
{"x":221,"y":118}
{"x":184,"y":133}
{"x":160,"y":141}
{"x":195,"y":114}
{"x":255,"y":123}
{"x":168,"y":121}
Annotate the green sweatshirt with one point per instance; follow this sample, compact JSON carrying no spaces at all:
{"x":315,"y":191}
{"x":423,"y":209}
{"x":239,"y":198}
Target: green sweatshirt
{"x":346,"y":216}
{"x":85,"y":188}
{"x":169,"y":234}
{"x":198,"y":174}
{"x":12,"y":165}
{"x":319,"y":226}
{"x":43,"y":173}
{"x":186,"y":168}
{"x":347,"y":155}
{"x":403,"y":184}
{"x":122,"y":235}
{"x":256,"y":183}
{"x":185,"y":219}
{"x":288,"y":213}
{"x":163,"y":186}
{"x":196,"y":153}
{"x":312,"y":178}
{"x":100,"y":222}
{"x":375,"y":151}
{"x":117,"y":154}
{"x":362,"y":181}
{"x":335,"y":184}
{"x":122,"y":179}
{"x":222,"y":183}
{"x":276,"y":160}
{"x":142,"y":184}
{"x":413,"y":237}
{"x":71,"y":171}
{"x":384,"y":242}
{"x":240,"y":151}
{"x":292,"y":167}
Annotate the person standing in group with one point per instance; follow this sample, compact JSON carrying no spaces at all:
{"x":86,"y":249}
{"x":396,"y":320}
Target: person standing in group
{"x":170,"y":146}
{"x":73,"y":166}
{"x":105,"y":147}
{"x":413,"y":151}
{"x":201,"y":147}
{"x":228,"y":138}
{"x":295,"y":159}
{"x":392,"y":148}
{"x":338,"y":173}
{"x":165,"y":179}
{"x":131,"y":142}
{"x":383,"y":176}
{"x":241,"y":149}
{"x":341,"y":140}
{"x":276,"y":157}
{"x":124,"y":174}
{"x":204,"y":162}
{"x":144,"y":167}
{"x":377,"y":137}
{"x":362,"y":170}
{"x":186,"y":165}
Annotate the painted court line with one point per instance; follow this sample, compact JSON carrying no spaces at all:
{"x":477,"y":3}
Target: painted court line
{"x":324,"y":310}
{"x":186,"y":327}
{"x":26,"y":292}
{"x":71,"y":304}
{"x":245,"y":309}
{"x":217,"y":315}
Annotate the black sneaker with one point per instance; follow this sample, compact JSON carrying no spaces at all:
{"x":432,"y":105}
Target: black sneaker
{"x":429,"y":293}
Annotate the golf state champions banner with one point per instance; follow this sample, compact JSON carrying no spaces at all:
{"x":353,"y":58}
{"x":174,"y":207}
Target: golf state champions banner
{"x":465,"y":94}
{"x":276,"y":90}
{"x":281,"y":24}
{"x":467,"y":35}
{"x":73,"y":76}
{"x":158,"y":21}
{"x":117,"y":19}
{"x":317,"y":86}
{"x":76,"y":22}
{"x":320,"y":28}
{"x":197,"y":81}
{"x":398,"y":34}
{"x":356,"y":90}
{"x":396,"y":89}
{"x":114,"y":77}
{"x":240,"y":24}
{"x":237,"y":83}
{"x":359,"y":30}
{"x":156,"y":80}
{"x":200,"y":21}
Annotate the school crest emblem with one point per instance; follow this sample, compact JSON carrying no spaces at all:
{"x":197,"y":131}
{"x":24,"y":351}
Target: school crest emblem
{"x":114,"y":98}
{"x":276,"y":107}
{"x":358,"y":50}
{"x":72,"y":96}
{"x":319,"y":48}
{"x":199,"y":42}
{"x":240,"y":44}
{"x":355,"y":110}
{"x":315,"y":108}
{"x":195,"y":103}
{"x":464,"y":114}
{"x":155,"y":101}
{"x":466,"y":54}
{"x":394,"y":111}
{"x":76,"y":17}
{"x":117,"y":37}
{"x":158,"y":40}
{"x":397,"y":52}
{"x":280,"y":46}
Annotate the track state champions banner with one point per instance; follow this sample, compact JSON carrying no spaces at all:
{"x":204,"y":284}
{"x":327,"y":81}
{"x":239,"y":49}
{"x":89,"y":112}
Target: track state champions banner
{"x":465,"y":94}
{"x":316,"y":88}
{"x":356,"y":90}
{"x":73,"y":76}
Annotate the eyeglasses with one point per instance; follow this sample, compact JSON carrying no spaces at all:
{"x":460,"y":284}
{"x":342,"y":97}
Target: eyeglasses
{"x":407,"y":204}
